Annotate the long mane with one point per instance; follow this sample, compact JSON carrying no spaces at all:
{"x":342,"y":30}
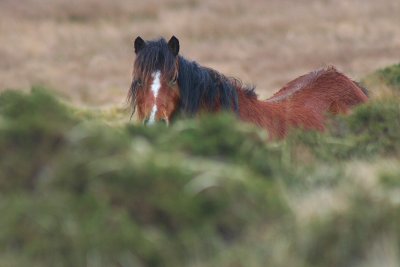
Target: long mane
{"x":202,"y":87}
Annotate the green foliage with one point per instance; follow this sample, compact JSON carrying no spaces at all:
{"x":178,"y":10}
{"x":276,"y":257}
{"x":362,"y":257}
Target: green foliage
{"x":391,"y":179}
{"x":391,"y":76}
{"x":346,"y":237}
{"x":219,"y":138}
{"x":76,"y":191}
{"x":31,"y":132}
{"x":384,"y":82}
{"x":377,"y":126}
{"x":371,"y":131}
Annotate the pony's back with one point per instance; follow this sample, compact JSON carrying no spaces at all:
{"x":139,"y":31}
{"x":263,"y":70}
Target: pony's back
{"x":303,"y":102}
{"x":323,"y":90}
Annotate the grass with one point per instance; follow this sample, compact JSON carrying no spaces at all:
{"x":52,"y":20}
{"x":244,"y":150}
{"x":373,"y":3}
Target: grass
{"x":77,"y":189}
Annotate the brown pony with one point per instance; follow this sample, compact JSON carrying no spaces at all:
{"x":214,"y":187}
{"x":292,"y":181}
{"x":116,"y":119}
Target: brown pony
{"x":165,"y":84}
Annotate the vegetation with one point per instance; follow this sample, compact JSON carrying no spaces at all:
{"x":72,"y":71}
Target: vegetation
{"x":77,"y":190}
{"x":385,"y":81}
{"x":391,"y":76}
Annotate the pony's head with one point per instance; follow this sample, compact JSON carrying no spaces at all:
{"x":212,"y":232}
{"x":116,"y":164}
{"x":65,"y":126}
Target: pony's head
{"x":154,"y":91}
{"x":164,"y":84}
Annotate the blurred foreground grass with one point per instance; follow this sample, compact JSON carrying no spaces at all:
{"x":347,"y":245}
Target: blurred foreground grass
{"x":77,"y":190}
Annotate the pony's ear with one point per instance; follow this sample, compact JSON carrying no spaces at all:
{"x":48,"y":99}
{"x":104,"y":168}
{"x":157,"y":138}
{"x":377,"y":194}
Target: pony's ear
{"x":173,"y":45}
{"x":139,"y":44}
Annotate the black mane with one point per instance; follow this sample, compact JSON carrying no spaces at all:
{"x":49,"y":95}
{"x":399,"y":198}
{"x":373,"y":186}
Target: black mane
{"x":200,"y":87}
{"x":205,"y":87}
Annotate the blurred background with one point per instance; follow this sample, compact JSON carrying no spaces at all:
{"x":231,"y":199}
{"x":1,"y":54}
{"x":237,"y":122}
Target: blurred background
{"x":83,"y":49}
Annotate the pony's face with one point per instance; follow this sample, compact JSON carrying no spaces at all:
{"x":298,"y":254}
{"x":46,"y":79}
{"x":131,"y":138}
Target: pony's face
{"x":155,"y":90}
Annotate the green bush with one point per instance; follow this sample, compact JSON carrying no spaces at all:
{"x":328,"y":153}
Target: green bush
{"x":390,"y":76}
{"x":371,"y":131}
{"x":32,"y":130}
{"x":78,"y":191}
{"x":348,"y":237}
{"x":384,"y":81}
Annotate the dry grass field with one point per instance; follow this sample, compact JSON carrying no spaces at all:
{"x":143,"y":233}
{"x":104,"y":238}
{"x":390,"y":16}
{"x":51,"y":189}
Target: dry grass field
{"x":83,"y":48}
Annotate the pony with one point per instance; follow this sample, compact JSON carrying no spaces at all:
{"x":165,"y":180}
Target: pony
{"x":165,"y":85}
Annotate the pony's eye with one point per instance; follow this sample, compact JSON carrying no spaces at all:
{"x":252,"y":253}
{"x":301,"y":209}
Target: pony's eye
{"x":173,"y":81}
{"x":138,"y":83}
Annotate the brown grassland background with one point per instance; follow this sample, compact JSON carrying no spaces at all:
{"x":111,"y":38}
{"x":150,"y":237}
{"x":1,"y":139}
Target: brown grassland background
{"x":84,"y":49}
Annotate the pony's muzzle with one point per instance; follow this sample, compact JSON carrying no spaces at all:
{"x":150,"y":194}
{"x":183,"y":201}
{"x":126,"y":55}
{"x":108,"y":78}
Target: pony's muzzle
{"x":147,"y":122}
{"x":164,"y":121}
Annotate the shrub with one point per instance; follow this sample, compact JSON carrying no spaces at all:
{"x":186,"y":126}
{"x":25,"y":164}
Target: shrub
{"x":349,"y":237}
{"x":371,"y":131}
{"x":391,"y":76}
{"x":384,"y":82}
{"x":76,"y":192}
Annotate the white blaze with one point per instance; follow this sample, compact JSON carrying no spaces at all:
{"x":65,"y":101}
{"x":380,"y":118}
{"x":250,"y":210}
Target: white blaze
{"x":155,"y":88}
